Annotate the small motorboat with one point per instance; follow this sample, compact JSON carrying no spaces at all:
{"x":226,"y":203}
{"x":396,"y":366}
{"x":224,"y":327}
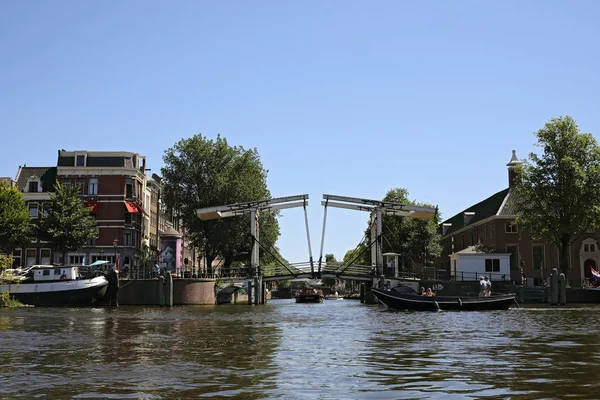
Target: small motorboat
{"x":50,"y":285}
{"x":334,"y":296}
{"x":403,"y":300}
{"x":309,"y":295}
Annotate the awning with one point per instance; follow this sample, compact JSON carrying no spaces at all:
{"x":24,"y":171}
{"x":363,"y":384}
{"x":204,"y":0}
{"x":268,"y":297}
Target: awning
{"x":91,"y":204}
{"x":134,"y":208}
{"x":131,"y":207}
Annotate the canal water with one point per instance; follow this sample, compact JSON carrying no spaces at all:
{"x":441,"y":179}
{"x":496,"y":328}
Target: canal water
{"x":335,"y":350}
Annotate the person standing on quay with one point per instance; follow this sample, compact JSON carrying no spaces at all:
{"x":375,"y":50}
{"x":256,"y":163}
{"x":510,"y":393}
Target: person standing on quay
{"x":482,"y":287}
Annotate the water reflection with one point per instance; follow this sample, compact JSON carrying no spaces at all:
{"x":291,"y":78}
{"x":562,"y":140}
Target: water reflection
{"x":334,"y":350}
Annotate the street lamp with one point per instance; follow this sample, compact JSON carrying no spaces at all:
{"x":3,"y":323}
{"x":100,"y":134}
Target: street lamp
{"x":115,"y":242}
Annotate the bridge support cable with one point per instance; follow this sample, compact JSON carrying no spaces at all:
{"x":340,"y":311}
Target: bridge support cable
{"x":323,"y":233}
{"x":277,"y":258}
{"x":354,"y":256}
{"x":310,"y":256}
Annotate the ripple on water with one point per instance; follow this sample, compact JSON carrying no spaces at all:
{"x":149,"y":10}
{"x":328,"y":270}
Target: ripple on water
{"x":336,"y":350}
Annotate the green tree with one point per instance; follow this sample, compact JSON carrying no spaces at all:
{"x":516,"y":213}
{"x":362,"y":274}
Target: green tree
{"x":14,"y":219}
{"x":67,"y":225}
{"x":199,"y":173}
{"x":558,"y":193}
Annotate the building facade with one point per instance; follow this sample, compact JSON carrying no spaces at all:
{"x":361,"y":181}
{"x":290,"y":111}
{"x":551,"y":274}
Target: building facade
{"x":126,"y":203}
{"x":490,"y":224}
{"x":36,"y":184}
{"x":113,"y":185}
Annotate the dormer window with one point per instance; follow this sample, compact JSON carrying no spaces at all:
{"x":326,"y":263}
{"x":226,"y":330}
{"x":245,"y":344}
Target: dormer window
{"x":589,"y":247}
{"x":33,"y":187}
{"x":80,"y":161}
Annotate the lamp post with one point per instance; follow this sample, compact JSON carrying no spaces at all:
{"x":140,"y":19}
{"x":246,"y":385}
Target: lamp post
{"x":115,"y":242}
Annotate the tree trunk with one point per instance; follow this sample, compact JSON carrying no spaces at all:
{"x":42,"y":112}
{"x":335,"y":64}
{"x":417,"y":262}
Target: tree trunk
{"x":563,"y":255}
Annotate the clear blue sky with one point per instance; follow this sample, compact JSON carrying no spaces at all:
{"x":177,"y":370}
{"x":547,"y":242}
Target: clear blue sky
{"x":341,"y":97}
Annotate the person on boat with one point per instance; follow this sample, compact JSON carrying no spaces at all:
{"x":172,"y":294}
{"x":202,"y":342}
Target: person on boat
{"x":423,"y":292}
{"x":488,"y":286}
{"x":430,"y":293}
{"x":482,"y":287}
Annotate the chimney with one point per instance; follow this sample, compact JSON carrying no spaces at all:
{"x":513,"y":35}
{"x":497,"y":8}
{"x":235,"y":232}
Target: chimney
{"x":512,"y":172}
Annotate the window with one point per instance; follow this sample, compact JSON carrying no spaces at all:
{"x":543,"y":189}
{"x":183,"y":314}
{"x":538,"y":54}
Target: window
{"x":538,"y":256}
{"x":589,"y":248}
{"x":76,"y":259}
{"x":30,"y":256}
{"x":80,"y":161}
{"x":16,"y":255}
{"x":511,"y":227}
{"x":91,"y":242}
{"x":513,"y":249}
{"x":33,"y":210}
{"x":57,"y":272}
{"x":127,"y":238}
{"x":45,"y":256}
{"x":93,"y":187}
{"x":46,"y":272}
{"x":33,"y":187}
{"x":128,"y":189}
{"x":67,"y":183}
{"x":492,"y":231}
{"x":492,"y":265}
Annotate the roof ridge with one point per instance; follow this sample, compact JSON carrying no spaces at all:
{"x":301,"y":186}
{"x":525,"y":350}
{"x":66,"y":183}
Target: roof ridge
{"x":499,"y":212}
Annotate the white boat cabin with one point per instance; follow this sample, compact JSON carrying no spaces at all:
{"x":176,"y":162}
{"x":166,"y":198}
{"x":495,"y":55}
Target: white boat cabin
{"x":53,"y":273}
{"x":471,"y":263}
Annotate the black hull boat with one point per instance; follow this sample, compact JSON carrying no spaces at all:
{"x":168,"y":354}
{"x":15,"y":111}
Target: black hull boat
{"x":55,"y":286}
{"x":408,"y":301}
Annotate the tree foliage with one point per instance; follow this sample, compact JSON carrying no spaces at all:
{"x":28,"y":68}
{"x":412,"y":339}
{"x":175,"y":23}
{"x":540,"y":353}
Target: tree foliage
{"x":199,"y":173}
{"x":66,"y":224}
{"x":14,"y":218}
{"x":558,"y":193}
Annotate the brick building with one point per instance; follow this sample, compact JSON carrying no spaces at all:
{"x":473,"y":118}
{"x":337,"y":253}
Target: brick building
{"x":113,"y":184}
{"x":491,"y":225}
